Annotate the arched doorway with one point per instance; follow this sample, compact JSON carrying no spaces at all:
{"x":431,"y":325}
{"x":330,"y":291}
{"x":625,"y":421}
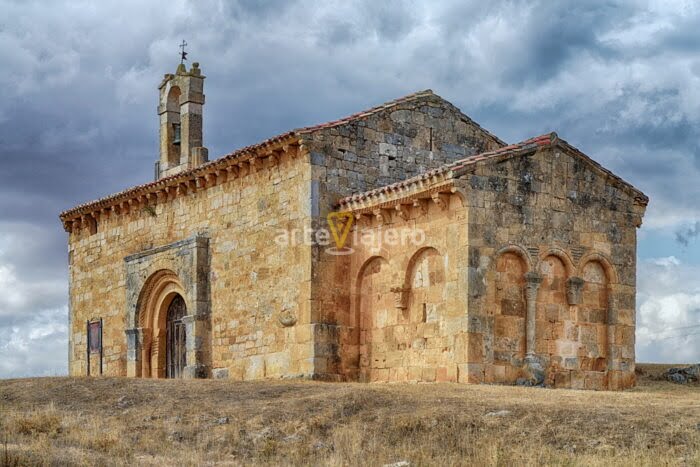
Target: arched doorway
{"x":151,"y":290}
{"x":175,"y":349}
{"x":161,"y":309}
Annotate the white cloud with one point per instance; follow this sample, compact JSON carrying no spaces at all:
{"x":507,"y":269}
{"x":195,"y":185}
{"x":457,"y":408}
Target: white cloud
{"x":35,"y":346}
{"x":33,"y":314}
{"x":668,"y":311}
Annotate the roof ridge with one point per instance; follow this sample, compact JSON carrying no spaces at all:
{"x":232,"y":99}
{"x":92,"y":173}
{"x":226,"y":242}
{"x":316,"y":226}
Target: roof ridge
{"x":367,"y":112}
{"x":470,"y":120}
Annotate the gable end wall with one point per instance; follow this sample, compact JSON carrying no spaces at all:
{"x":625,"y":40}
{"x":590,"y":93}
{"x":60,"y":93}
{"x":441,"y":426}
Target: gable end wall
{"x":550,"y":214}
{"x":383,"y":148}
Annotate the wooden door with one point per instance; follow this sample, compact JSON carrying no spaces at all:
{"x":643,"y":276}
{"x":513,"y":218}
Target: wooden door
{"x":176,"y":338}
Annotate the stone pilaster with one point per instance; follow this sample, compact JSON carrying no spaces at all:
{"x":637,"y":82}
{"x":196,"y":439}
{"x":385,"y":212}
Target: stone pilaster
{"x":197,"y":333}
{"x":533,"y":368}
{"x":611,"y":324}
{"x":134,"y":337}
{"x":532,"y":285}
{"x":574,"y":290}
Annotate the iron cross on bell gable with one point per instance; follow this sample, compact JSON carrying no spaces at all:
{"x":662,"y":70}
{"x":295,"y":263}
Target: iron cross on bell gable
{"x":183,"y":54}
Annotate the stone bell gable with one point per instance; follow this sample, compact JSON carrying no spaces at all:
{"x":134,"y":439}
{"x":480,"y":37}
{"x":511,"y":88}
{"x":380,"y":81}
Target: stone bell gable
{"x":521,"y":266}
{"x":180,"y":111}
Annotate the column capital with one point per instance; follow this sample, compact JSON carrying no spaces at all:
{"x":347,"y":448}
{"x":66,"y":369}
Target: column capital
{"x":401,"y":295}
{"x":533,"y":278}
{"x":134,"y":337}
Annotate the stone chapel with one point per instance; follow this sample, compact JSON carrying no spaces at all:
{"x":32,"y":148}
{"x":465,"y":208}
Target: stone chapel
{"x":520,"y":267}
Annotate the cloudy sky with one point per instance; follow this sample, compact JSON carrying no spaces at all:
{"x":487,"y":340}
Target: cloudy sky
{"x":78,"y":95}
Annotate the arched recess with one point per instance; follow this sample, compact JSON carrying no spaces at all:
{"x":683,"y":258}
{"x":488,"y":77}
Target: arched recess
{"x":421,"y":311}
{"x":555,"y":322}
{"x":372,"y":303}
{"x":160,"y":289}
{"x":605,"y":263}
{"x":461,"y":196}
{"x":594,"y":315}
{"x":173,"y":130}
{"x":564,"y":259}
{"x":173,"y":100}
{"x":423,"y":286}
{"x":510,"y":309}
{"x":518,"y":251}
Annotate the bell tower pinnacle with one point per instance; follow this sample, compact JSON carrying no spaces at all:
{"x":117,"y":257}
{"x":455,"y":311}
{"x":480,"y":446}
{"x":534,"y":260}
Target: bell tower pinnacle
{"x":180,"y":111}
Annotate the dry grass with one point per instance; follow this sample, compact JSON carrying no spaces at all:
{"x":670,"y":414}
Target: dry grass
{"x":114,"y":421}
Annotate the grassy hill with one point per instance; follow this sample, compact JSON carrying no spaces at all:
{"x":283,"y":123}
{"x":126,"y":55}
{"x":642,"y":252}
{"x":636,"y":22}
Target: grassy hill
{"x":106,"y":421}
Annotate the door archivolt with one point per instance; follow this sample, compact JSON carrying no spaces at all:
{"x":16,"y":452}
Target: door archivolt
{"x":161,"y":290}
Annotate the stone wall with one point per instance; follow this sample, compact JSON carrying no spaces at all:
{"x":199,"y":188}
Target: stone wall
{"x":406,"y":317}
{"x":380,"y":148}
{"x":255,"y":286}
{"x":551,"y":236}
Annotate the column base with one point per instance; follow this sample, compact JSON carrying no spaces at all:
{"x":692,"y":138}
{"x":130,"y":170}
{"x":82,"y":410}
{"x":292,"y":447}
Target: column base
{"x":195,"y":371}
{"x":534,"y":371}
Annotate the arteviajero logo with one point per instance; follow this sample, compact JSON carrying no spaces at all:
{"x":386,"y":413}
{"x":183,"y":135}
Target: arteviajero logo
{"x":340,"y":224}
{"x":340,"y":237}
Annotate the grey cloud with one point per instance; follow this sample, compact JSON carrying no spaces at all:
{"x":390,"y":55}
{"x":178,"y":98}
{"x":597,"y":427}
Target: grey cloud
{"x":685,"y":235}
{"x":555,"y":34}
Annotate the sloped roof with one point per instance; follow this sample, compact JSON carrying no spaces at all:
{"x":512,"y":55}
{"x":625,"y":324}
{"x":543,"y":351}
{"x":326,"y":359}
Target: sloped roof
{"x":427,"y":93}
{"x":457,"y":168}
{"x":242,"y":153}
{"x":180,"y":177}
